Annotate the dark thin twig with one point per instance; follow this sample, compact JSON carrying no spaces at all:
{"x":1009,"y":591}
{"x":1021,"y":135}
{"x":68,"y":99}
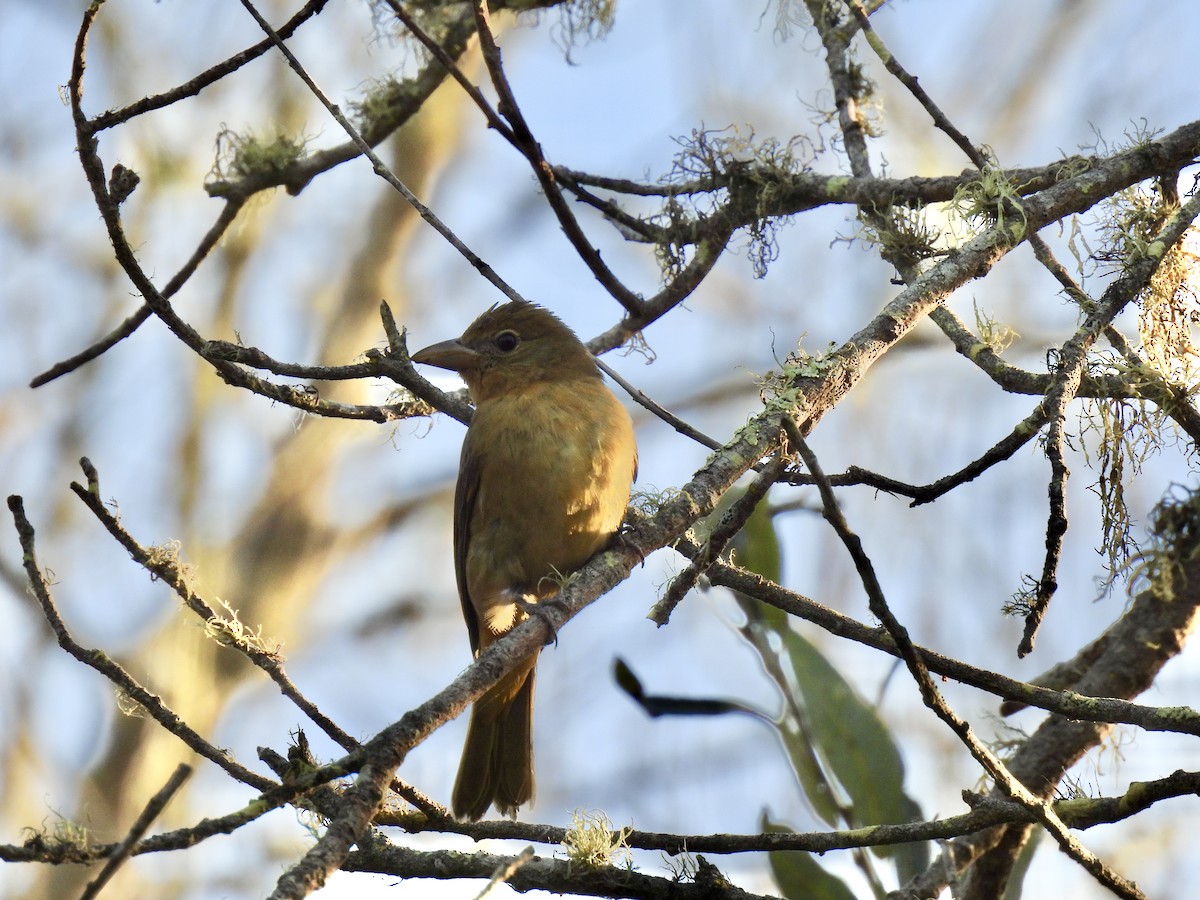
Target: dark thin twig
{"x":657,"y":409}
{"x":140,"y":826}
{"x":1072,"y":360}
{"x":206,"y":78}
{"x":494,"y":119}
{"x":902,"y":75}
{"x":111,"y":670}
{"x":532,"y":150}
{"x":723,"y":532}
{"x":629,"y":226}
{"x":678,"y":289}
{"x":1042,"y":810}
{"x":104,"y":344}
{"x":1023,"y":432}
{"x":214,"y":234}
{"x":381,"y":169}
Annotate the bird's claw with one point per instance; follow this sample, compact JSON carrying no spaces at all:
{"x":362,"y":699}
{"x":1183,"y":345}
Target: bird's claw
{"x":623,"y":539}
{"x":538,"y":608}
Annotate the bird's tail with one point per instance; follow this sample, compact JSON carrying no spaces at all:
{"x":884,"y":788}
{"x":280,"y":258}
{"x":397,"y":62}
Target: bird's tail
{"x":497,"y":759}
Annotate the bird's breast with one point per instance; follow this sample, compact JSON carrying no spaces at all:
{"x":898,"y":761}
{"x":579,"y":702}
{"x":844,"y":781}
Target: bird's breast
{"x":555,"y":466}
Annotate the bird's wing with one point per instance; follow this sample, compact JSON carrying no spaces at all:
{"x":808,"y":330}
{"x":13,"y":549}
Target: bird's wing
{"x":466,"y":492}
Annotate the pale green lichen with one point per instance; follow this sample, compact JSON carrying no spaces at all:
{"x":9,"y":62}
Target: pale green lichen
{"x":228,"y":629}
{"x":63,"y":835}
{"x":748,"y":177}
{"x":384,"y":103}
{"x":904,"y":236}
{"x":1175,"y":530}
{"x":650,"y":502}
{"x":991,"y":199}
{"x":995,"y":336}
{"x":591,"y":841}
{"x":837,"y":184}
{"x":1025,"y":427}
{"x":249,"y":155}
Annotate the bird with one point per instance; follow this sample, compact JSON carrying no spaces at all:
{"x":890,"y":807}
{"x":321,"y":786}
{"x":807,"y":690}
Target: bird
{"x":545,"y":475}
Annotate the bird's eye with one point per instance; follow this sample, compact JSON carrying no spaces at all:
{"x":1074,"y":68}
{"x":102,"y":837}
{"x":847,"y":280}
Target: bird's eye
{"x":506,"y":341}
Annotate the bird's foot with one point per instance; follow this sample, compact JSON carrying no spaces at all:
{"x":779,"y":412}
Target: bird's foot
{"x":623,"y":540}
{"x":531,"y":607}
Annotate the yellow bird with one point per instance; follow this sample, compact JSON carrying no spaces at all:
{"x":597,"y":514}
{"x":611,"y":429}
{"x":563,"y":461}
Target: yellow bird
{"x":543,"y":482}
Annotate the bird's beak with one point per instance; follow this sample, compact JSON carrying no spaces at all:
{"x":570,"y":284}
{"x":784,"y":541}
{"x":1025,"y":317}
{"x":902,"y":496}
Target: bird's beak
{"x":448,"y":355}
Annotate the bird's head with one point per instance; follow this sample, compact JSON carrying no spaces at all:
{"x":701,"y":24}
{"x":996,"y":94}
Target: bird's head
{"x":511,"y":346}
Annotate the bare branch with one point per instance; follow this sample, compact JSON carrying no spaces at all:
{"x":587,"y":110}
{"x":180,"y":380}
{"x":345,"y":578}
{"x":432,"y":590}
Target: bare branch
{"x":932,"y":697}
{"x":111,"y":670}
{"x":140,"y":826}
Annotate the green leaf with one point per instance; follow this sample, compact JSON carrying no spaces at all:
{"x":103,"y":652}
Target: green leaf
{"x":838,"y":733}
{"x":799,"y":875}
{"x":851,"y":738}
{"x":756,"y":546}
{"x":810,"y":773}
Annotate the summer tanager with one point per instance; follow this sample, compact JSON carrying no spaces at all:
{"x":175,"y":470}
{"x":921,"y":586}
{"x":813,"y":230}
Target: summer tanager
{"x":543,"y":482}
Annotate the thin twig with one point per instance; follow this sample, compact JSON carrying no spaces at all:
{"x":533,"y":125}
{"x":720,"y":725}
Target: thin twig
{"x":111,"y":670}
{"x":725,"y":530}
{"x":211,"y":76}
{"x":228,"y":213}
{"x":140,"y":826}
{"x":1022,"y":433}
{"x":902,"y":75}
{"x":658,"y":409}
{"x":1042,"y":810}
{"x":532,"y":150}
{"x":381,"y":169}
{"x":505,"y":871}
{"x":494,"y":119}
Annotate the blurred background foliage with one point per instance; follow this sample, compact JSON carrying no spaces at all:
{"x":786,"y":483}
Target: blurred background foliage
{"x":334,"y":536}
